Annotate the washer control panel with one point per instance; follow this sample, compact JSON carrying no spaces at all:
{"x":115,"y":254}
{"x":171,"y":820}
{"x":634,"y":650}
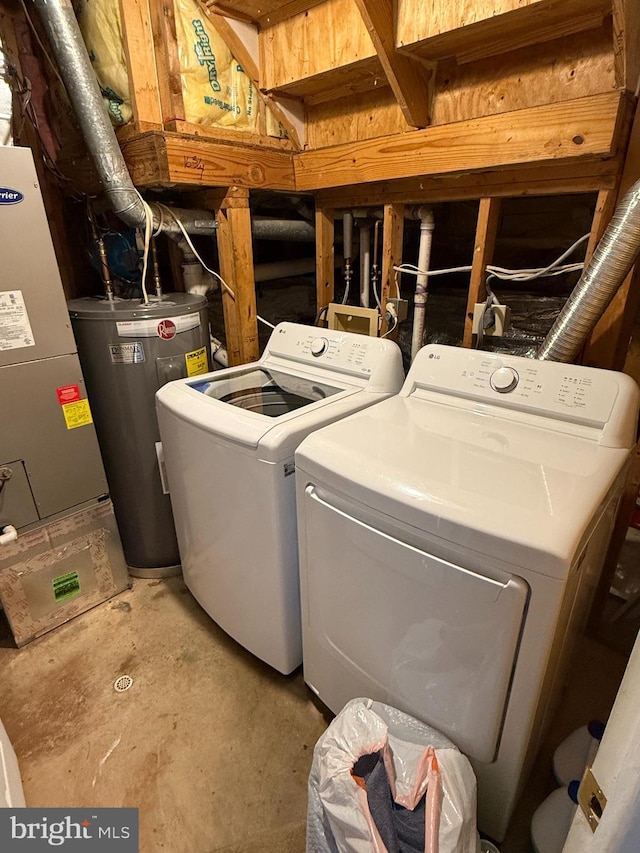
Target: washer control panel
{"x":565,"y":391}
{"x":342,"y":351}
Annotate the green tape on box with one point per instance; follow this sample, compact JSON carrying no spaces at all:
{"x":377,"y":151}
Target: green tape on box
{"x":66,"y":586}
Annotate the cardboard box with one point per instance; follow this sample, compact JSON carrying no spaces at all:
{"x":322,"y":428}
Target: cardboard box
{"x":61,"y":569}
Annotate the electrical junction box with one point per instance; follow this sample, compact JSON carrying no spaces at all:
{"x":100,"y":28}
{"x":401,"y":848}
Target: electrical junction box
{"x":353,"y":318}
{"x":401,"y":307}
{"x":501,"y":320}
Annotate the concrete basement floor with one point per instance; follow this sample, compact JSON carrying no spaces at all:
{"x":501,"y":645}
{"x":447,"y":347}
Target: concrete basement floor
{"x":210,"y":744}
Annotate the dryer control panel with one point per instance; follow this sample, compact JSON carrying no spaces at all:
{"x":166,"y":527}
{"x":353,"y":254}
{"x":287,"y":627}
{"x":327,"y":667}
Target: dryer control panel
{"x":564,"y":392}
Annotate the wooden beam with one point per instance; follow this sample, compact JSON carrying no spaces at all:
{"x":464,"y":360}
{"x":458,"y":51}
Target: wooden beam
{"x":605,"y":205}
{"x":411,"y":81}
{"x":325,"y":266}
{"x":392,"y":234}
{"x":165,"y":42}
{"x":626,"y":43}
{"x":545,"y":179}
{"x":485,"y":242}
{"x":236,"y":268}
{"x":138,"y":44}
{"x":581,"y":129}
{"x":170,"y":159}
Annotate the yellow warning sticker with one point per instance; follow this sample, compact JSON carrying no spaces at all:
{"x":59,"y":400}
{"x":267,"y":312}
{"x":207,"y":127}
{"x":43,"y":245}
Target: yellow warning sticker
{"x":77,"y":414}
{"x":196,"y":362}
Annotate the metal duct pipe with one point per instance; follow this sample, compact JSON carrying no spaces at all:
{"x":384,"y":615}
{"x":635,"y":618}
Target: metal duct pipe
{"x":75,"y":67}
{"x":615,"y":254}
{"x":268,"y":228}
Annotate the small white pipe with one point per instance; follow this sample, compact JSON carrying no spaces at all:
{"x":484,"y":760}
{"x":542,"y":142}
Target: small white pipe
{"x":365,"y":264}
{"x":219,"y":353}
{"x":9,"y":534}
{"x":427,"y":226}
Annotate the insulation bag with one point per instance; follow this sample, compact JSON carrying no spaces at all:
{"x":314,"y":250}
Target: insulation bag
{"x":383,"y":782}
{"x":215,"y":89}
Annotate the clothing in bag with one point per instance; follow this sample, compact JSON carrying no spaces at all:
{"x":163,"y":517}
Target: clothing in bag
{"x":383,"y":782}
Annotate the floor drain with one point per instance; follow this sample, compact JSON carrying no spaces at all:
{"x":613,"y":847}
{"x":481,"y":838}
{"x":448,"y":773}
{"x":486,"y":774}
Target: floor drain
{"x":123,"y":683}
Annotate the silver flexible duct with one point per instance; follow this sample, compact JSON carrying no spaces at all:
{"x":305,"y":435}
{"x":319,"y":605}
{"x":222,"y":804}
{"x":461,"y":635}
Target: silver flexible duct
{"x":615,"y":254}
{"x":86,"y":98}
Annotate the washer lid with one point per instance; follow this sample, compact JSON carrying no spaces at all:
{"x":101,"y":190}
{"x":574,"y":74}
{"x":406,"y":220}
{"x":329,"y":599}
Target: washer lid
{"x":257,"y":405}
{"x":265,"y":391}
{"x":520,"y":493}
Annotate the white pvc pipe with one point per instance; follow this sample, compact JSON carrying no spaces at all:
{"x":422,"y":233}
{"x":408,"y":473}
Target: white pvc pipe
{"x":427,"y":226}
{"x":365,"y":264}
{"x":9,"y":534}
{"x":219,"y":353}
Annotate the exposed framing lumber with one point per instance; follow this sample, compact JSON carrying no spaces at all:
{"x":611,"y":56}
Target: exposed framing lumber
{"x":165,"y":42}
{"x":587,"y":176}
{"x":325,"y":266}
{"x":170,"y":159}
{"x":626,"y":38}
{"x":392,"y":234}
{"x":581,"y":129}
{"x":411,"y":81}
{"x":236,"y":268}
{"x":484,"y":247}
{"x":138,"y":44}
{"x":470,"y":31}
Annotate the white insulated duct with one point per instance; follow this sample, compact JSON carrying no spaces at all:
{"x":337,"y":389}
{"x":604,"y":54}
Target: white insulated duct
{"x":614,"y":257}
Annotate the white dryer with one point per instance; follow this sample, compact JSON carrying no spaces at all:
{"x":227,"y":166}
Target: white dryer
{"x":450,"y":541}
{"x":228,"y":440}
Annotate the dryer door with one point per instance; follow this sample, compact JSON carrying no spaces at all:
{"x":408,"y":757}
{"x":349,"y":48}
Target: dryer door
{"x":387,"y":620}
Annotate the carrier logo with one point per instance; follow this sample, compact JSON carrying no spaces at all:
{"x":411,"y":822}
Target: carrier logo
{"x":35,"y":830}
{"x":9,"y":196}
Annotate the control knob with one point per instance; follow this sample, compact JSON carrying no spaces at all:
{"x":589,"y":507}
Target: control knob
{"x":318,"y":346}
{"x":504,"y":379}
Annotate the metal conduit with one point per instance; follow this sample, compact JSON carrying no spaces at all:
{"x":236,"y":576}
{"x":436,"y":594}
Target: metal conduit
{"x":615,"y":254}
{"x":84,"y":93}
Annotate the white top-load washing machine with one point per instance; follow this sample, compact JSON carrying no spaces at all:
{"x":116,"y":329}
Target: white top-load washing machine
{"x":228,"y":440}
{"x":450,"y":541}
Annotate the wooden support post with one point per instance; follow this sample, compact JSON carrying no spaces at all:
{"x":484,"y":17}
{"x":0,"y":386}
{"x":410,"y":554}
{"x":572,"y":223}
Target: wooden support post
{"x":139,"y":53}
{"x":165,"y":41}
{"x":392,"y":234}
{"x":486,"y":232}
{"x":236,"y":268}
{"x":325,"y":266}
{"x":605,"y":205}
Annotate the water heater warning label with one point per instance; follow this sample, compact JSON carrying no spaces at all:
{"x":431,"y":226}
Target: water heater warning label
{"x":196,"y":361}
{"x":15,"y":328}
